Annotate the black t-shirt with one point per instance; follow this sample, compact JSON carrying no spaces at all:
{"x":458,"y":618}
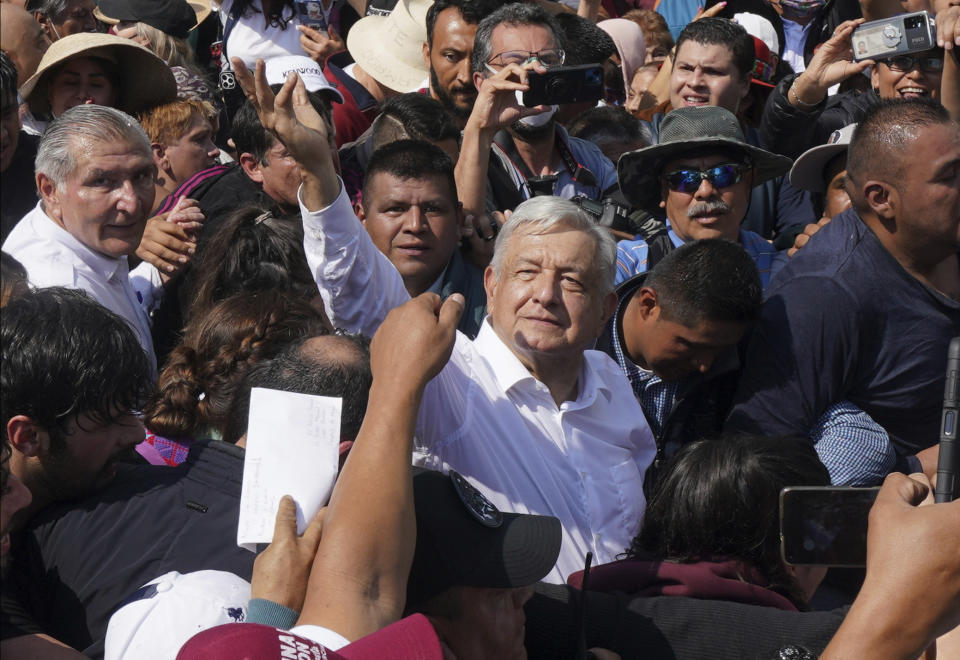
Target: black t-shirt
{"x":844,"y":321}
{"x":15,"y":619}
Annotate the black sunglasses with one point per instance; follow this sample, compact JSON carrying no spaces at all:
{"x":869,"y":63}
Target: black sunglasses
{"x":719,"y":176}
{"x":909,"y":62}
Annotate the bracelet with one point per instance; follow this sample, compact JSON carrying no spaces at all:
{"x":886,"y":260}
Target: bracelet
{"x":796,"y":99}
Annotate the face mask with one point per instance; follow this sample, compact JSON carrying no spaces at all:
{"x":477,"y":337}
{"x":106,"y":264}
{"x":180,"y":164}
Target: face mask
{"x":800,"y":9}
{"x":535,"y":121}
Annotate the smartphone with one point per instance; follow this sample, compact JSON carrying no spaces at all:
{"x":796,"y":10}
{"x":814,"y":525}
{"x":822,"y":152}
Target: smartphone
{"x":565,"y":84}
{"x":825,"y":525}
{"x":897,"y":35}
{"x":311,"y":14}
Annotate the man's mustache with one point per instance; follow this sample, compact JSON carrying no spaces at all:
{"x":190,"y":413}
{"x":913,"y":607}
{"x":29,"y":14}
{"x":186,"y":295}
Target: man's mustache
{"x":715,"y":207}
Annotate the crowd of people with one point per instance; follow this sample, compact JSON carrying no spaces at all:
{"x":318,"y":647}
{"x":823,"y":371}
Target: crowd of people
{"x":580,"y":348}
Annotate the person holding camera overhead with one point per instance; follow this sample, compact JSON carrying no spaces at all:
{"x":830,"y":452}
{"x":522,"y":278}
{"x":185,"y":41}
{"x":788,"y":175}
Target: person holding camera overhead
{"x":536,"y":155}
{"x":800,"y":114}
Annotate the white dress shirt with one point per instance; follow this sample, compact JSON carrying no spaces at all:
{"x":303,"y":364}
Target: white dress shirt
{"x":488,"y":418}
{"x":53,"y":257}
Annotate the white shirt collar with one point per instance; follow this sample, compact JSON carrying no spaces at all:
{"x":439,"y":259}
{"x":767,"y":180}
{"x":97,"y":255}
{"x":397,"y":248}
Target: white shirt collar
{"x":507,"y":368}
{"x":106,"y":267}
{"x":509,"y":371}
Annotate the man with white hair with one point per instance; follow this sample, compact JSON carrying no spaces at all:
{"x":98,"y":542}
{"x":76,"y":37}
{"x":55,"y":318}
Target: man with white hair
{"x":94,"y":174}
{"x":525,"y":412}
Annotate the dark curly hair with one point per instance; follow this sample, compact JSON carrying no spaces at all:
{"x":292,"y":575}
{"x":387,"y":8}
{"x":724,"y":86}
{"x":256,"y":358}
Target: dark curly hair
{"x":218,"y":350}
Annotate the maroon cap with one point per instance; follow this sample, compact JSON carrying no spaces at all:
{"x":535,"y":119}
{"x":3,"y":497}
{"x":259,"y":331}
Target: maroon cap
{"x":412,"y":638}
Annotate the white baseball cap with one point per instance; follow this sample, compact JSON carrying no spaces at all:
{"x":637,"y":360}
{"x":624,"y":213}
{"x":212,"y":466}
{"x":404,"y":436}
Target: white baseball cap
{"x":158,"y":618}
{"x":759,"y":27}
{"x":277,"y":69}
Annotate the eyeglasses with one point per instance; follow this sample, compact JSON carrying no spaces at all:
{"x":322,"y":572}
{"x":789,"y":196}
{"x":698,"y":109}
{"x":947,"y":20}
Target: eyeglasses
{"x":551,"y":57}
{"x":909,"y":63}
{"x":720,"y":176}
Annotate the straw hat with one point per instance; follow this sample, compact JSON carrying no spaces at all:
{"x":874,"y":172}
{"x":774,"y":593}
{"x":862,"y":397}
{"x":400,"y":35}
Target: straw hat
{"x":175,"y":17}
{"x":686,"y":130}
{"x":390,"y":48}
{"x":145,"y":79}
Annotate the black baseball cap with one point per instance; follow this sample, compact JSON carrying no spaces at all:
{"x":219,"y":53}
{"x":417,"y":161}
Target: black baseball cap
{"x":464,"y":540}
{"x":175,"y":17}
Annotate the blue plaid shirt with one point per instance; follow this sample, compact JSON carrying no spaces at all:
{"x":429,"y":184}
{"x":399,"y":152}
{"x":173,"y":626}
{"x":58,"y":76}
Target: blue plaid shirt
{"x":632,"y":255}
{"x":856,"y":450}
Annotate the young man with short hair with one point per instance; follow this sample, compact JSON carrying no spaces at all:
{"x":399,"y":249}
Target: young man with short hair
{"x":674,"y":334}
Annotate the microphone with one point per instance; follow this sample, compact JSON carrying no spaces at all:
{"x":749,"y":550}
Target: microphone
{"x":948,"y":462}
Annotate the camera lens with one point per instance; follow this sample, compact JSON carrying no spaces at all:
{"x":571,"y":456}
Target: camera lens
{"x":557,"y":87}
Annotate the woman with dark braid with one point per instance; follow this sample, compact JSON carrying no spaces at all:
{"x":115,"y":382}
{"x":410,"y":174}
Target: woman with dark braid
{"x":218,"y":349}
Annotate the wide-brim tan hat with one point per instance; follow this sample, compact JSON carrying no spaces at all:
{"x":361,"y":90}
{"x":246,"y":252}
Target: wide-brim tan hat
{"x":200,"y":9}
{"x":390,"y":48}
{"x":684,"y":131}
{"x":145,"y":80}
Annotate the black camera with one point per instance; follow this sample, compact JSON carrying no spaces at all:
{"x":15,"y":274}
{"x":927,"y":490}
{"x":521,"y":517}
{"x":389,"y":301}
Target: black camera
{"x":565,"y":84}
{"x":607,"y":213}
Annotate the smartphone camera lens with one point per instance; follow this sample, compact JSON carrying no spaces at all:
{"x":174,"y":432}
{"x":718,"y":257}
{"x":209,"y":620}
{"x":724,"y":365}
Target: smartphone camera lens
{"x":557,"y":88}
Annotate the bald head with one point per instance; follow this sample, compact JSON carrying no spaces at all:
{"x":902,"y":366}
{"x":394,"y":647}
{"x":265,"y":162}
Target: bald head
{"x":22,"y":38}
{"x":330,"y":365}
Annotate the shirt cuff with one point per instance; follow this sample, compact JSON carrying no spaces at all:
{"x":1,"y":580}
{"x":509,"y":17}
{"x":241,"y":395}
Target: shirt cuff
{"x":307,"y":212}
{"x":261,"y":610}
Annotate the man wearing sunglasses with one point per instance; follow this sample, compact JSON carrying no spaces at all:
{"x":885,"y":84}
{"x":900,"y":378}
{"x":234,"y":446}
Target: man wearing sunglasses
{"x":700,"y":175}
{"x":675,"y":328}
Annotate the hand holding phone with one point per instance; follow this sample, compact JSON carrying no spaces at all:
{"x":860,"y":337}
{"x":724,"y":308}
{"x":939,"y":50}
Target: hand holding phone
{"x":897,"y":35}
{"x":825,"y":525}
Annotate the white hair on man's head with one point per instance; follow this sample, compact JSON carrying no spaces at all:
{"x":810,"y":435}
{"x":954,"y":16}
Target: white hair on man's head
{"x":540,"y":215}
{"x":82,"y":125}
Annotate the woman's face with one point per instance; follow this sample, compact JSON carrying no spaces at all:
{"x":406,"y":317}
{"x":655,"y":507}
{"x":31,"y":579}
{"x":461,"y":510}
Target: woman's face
{"x":79,"y":81}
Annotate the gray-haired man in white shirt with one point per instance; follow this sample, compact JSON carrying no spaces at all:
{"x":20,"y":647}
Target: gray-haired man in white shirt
{"x":95,"y":177}
{"x":531,"y":417}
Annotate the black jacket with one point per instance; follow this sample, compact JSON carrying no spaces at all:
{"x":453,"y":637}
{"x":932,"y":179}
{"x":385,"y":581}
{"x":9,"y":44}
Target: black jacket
{"x":77,"y":562}
{"x":668,"y":627}
{"x":789,"y":131}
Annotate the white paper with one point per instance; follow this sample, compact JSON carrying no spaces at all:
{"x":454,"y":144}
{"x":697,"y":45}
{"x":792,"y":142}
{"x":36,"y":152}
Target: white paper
{"x":292,"y":449}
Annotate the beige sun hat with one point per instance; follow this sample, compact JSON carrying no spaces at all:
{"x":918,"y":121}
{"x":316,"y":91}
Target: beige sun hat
{"x":390,"y":48}
{"x":145,"y":80}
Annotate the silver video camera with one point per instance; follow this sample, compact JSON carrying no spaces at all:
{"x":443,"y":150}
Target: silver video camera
{"x":897,"y":35}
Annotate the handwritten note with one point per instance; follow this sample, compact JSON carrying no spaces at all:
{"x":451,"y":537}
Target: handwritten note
{"x":292,"y":449}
